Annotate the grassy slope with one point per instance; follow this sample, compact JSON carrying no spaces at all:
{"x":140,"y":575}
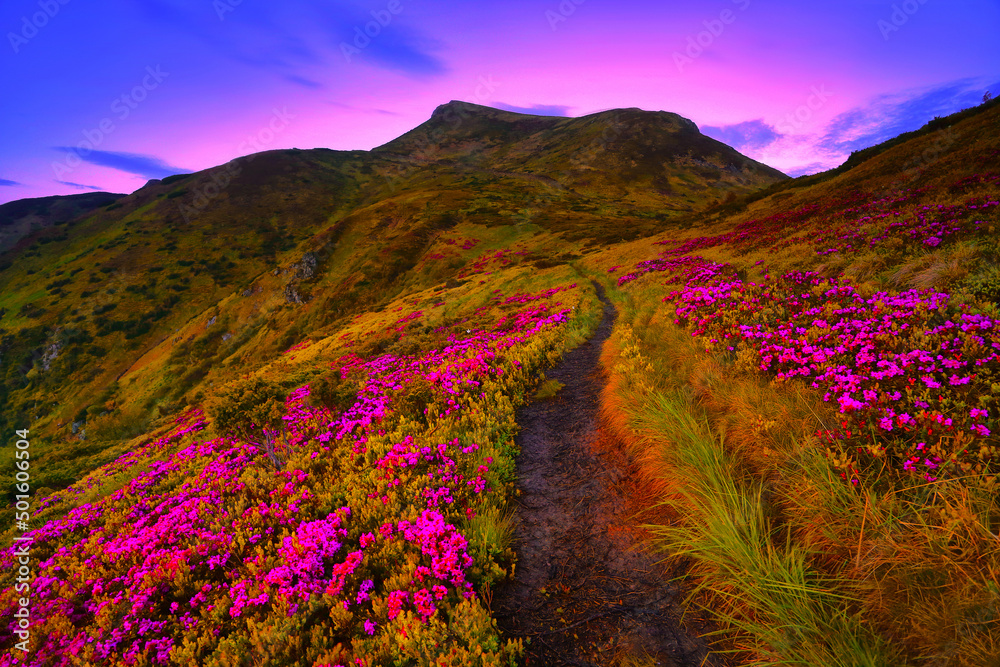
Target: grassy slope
{"x":799,"y":566}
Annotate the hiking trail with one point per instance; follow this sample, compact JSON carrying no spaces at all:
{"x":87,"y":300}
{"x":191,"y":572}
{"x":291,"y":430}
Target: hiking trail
{"x":585,"y":592}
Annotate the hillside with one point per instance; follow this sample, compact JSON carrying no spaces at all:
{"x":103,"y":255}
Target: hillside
{"x":20,"y":218}
{"x":277,"y":244}
{"x":312,"y":360}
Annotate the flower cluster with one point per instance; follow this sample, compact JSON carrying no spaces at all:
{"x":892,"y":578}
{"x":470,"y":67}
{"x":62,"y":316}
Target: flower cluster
{"x":913,"y":375}
{"x":903,"y":369}
{"x":857,"y":221}
{"x":202,"y":544}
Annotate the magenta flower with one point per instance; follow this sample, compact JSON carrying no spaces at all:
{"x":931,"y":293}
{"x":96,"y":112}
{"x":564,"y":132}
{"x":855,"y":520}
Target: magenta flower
{"x":396,"y":601}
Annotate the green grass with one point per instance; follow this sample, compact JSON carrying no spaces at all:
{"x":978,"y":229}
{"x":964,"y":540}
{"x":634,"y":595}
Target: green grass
{"x":548,"y":389}
{"x":759,"y":584}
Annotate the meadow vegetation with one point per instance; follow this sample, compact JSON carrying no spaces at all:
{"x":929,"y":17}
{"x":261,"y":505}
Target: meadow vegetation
{"x":814,"y":389}
{"x":282,"y":431}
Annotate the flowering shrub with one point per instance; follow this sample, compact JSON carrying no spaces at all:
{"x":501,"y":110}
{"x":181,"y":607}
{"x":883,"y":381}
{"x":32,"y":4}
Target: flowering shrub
{"x":856,"y":222}
{"x":356,"y":551}
{"x":914,"y":376}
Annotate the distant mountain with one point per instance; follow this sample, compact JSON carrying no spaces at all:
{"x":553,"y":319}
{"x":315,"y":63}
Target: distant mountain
{"x":330,"y":234}
{"x":20,"y":218}
{"x":629,"y":150}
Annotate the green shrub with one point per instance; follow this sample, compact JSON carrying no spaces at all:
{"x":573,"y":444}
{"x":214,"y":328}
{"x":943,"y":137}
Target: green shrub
{"x":250,"y":409}
{"x":332,"y":392}
{"x":985,"y":285}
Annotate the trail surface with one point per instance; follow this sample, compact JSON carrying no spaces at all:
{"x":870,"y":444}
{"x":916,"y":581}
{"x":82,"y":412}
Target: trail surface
{"x":584,"y":591}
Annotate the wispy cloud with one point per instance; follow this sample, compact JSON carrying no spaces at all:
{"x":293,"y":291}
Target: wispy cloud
{"x":298,"y":40}
{"x":147,"y":166}
{"x":303,"y":81}
{"x":4,"y":181}
{"x":804,"y":170}
{"x":748,"y":135}
{"x":256,"y":36}
{"x":888,"y":116}
{"x":395,"y":46}
{"x":867,"y":124}
{"x":536,"y":109}
{"x":80,"y":185}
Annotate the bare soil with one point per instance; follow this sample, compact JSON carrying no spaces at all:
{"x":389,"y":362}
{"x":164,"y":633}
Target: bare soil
{"x":586,"y":591}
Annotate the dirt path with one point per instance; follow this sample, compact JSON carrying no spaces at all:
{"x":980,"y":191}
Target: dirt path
{"x":584,"y":592}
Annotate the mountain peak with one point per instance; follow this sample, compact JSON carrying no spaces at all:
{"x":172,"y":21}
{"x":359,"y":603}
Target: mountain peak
{"x":460,"y":109}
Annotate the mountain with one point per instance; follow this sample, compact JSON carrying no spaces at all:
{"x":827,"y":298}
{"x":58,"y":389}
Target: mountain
{"x":654,"y":159}
{"x":320,"y":236}
{"x":20,"y":218}
{"x":312,"y":361}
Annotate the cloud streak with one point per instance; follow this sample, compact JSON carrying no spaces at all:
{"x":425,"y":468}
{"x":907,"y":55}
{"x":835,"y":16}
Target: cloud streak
{"x":536,"y":109}
{"x":80,"y":186}
{"x":382,"y":38}
{"x":4,"y":181}
{"x":147,"y":166}
{"x":888,"y":116}
{"x":748,"y":135}
{"x":866,"y":124}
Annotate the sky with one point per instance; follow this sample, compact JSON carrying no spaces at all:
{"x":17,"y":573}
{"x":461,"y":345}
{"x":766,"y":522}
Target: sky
{"x":107,"y":94}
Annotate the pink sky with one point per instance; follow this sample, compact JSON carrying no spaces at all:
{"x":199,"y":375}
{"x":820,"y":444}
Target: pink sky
{"x":855,"y":73}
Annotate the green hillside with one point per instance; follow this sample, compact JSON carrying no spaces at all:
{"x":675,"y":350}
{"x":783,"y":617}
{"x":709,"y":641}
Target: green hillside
{"x":105,"y":322}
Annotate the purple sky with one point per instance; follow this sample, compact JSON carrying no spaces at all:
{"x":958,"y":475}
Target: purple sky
{"x":107,"y":94}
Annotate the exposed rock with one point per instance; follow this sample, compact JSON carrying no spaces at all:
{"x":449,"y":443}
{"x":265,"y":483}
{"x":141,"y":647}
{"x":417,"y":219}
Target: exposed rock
{"x":305,"y":268}
{"x":292,"y":294}
{"x":50,"y":353}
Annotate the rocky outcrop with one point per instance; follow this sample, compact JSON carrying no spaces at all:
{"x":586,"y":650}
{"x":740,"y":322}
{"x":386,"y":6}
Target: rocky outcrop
{"x":292,"y":294}
{"x":50,"y":353}
{"x":305,"y":268}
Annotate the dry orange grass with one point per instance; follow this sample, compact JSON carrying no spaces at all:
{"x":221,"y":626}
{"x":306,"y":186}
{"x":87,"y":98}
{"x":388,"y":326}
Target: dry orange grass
{"x":923,"y":581}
